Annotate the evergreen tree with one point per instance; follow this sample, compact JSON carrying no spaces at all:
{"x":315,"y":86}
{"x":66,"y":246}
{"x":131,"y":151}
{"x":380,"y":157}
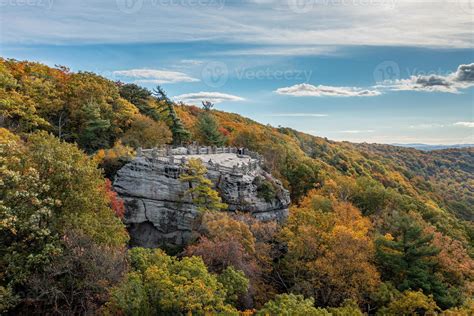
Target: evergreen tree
{"x":409,"y":261}
{"x":134,"y":93}
{"x":207,"y":105}
{"x":180,"y":134}
{"x":208,"y":130}
{"x":95,"y":131}
{"x":142,"y":99}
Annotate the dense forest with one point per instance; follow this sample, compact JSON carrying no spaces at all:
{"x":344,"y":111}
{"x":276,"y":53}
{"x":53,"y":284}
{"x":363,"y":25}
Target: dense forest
{"x":373,"y":229}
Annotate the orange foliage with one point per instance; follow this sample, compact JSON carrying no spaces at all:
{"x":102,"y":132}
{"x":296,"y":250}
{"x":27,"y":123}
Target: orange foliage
{"x":454,"y":261}
{"x":241,"y":243}
{"x":116,"y":203}
{"x":329,"y":252}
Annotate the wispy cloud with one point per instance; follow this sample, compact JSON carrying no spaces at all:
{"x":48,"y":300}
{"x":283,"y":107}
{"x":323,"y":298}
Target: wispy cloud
{"x":214,"y":97}
{"x":298,"y":115}
{"x":155,"y":76}
{"x":426,"y":126}
{"x":282,"y":51}
{"x":191,"y":62}
{"x":356,"y":131}
{"x":465,"y":124}
{"x":308,"y":90}
{"x":462,"y":78}
{"x":390,"y":23}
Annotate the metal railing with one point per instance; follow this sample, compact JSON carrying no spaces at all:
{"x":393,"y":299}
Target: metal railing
{"x":166,"y":155}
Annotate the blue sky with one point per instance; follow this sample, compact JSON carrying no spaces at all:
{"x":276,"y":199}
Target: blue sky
{"x":386,"y":71}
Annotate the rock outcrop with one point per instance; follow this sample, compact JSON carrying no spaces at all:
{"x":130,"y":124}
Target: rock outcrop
{"x":158,"y":210}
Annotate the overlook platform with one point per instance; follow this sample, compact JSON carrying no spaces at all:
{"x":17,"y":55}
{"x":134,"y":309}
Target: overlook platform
{"x":234,"y":160}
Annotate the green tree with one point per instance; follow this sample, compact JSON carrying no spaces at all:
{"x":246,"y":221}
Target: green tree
{"x":290,"y":304}
{"x":235,"y":283}
{"x":208,"y":130}
{"x":159,"y":284}
{"x":409,"y":260}
{"x":349,"y":308}
{"x":411,"y":303}
{"x":180,"y":133}
{"x":48,"y":188}
{"x":200,"y":188}
{"x":207,"y":105}
{"x":143,"y":99}
{"x":17,"y":112}
{"x":95,"y":131}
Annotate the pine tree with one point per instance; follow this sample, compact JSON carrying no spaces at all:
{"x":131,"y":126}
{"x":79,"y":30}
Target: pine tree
{"x":95,"y":131}
{"x":208,"y":130}
{"x":141,"y":98}
{"x":409,"y":261}
{"x":207,"y":105}
{"x":200,"y":187}
{"x":180,"y":133}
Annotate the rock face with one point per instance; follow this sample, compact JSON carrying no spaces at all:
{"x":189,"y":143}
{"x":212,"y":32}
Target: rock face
{"x":160,"y":213}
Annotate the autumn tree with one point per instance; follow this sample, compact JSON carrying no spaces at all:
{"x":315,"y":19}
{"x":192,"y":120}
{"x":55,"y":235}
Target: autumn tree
{"x":147,"y":133}
{"x":242,"y":243}
{"x":160,"y":284}
{"x":49,"y":188}
{"x":116,"y":203}
{"x":112,"y":159}
{"x":77,"y":107}
{"x":302,"y":175}
{"x":141,"y":98}
{"x":455,"y":266}
{"x":290,"y":304}
{"x":28,"y":95}
{"x":411,"y":303}
{"x":200,"y":188}
{"x":329,"y":253}
{"x":78,"y":280}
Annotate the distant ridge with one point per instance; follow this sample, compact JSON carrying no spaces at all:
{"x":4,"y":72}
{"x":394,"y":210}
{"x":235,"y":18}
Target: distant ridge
{"x":426,"y":147}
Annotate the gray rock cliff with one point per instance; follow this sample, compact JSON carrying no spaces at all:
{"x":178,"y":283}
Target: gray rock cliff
{"x":158,"y":210}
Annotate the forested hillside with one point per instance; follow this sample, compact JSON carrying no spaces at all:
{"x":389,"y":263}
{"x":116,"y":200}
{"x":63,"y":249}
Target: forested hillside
{"x":374,"y":229}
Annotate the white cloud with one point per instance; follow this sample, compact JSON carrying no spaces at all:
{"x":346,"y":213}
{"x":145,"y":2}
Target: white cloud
{"x":462,"y":78}
{"x":298,"y":115}
{"x":282,"y":51}
{"x":308,"y":90}
{"x":426,"y":126}
{"x":437,"y":24}
{"x":155,"y":76}
{"x":465,"y":124}
{"x":191,"y":62}
{"x":356,"y":131}
{"x":214,"y":97}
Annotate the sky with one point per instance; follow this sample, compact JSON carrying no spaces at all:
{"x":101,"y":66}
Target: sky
{"x":384,"y":71}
